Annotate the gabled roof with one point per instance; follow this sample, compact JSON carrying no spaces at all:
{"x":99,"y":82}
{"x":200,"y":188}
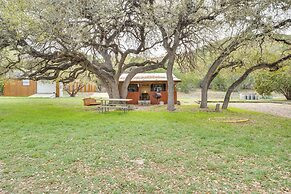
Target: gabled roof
{"x":148,"y":77}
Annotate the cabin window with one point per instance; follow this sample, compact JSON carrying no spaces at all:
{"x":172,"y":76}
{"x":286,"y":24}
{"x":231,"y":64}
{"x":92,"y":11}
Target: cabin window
{"x":158,"y":87}
{"x":132,"y":88}
{"x":25,"y":82}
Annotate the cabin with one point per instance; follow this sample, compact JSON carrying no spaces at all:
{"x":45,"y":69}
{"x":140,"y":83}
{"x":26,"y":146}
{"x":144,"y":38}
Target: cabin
{"x":144,"y":87}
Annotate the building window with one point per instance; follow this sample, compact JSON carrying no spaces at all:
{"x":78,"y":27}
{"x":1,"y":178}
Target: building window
{"x":132,"y":88}
{"x":158,"y":87}
{"x":25,"y":82}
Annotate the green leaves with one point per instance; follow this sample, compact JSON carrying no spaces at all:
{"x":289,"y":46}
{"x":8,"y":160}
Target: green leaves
{"x":279,"y":81}
{"x":264,"y":84}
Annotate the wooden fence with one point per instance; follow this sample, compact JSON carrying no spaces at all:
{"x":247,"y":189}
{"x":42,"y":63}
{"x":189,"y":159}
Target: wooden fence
{"x":29,"y":87}
{"x":89,"y":87}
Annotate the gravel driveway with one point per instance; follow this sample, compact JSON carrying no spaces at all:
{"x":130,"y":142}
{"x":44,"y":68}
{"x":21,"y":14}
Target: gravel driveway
{"x":283,"y":110}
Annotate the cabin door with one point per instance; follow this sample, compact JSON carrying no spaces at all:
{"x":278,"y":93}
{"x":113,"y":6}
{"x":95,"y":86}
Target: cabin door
{"x":145,"y":92}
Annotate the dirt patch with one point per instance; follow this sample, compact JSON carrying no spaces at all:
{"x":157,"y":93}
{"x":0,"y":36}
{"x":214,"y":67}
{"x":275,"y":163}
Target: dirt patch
{"x":229,"y":119}
{"x":283,"y":110}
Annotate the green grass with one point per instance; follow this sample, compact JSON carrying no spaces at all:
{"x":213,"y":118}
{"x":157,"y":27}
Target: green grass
{"x":57,"y":146}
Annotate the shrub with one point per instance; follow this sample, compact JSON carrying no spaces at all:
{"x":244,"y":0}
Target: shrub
{"x":219,"y":83}
{"x":278,"y":81}
{"x":189,"y":82}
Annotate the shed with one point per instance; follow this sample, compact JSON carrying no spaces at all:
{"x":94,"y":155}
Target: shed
{"x":15,"y":87}
{"x":144,"y":87}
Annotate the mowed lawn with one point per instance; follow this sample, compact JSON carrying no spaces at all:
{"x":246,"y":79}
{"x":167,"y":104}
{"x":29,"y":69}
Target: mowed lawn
{"x":58,"y":146}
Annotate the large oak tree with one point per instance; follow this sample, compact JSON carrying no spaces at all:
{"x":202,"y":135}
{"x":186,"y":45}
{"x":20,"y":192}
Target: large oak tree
{"x":63,"y":39}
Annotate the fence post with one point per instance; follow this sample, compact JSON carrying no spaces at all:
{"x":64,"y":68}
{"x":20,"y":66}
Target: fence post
{"x":217,"y":108}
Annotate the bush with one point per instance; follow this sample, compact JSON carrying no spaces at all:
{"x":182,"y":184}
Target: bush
{"x":263,"y":84}
{"x":189,"y":82}
{"x":278,"y":81}
{"x":219,"y":83}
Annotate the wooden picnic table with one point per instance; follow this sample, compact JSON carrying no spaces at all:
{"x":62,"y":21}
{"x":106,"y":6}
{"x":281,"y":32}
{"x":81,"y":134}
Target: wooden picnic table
{"x":106,"y":104}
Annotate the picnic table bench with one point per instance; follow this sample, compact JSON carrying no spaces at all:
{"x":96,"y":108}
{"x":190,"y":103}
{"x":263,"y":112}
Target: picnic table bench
{"x":115,"y":104}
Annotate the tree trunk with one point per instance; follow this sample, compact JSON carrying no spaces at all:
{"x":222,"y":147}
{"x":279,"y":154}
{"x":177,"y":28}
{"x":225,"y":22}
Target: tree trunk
{"x":287,"y":93}
{"x":204,"y":97}
{"x":125,"y":84}
{"x":124,"y":90}
{"x":209,"y":77}
{"x":238,"y":82}
{"x":113,"y":90}
{"x":211,"y":71}
{"x":111,"y":86}
{"x":204,"y":90}
{"x":227,"y":96}
{"x":171,"y":84}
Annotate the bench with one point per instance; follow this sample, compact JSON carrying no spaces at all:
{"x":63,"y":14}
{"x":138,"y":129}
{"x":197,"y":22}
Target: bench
{"x":105,"y":108}
{"x":91,"y":102}
{"x":117,"y":104}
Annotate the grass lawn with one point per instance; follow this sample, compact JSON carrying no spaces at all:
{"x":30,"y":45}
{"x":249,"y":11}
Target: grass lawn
{"x":58,"y":146}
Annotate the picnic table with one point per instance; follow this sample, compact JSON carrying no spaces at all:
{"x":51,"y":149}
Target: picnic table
{"x":114,"y":103}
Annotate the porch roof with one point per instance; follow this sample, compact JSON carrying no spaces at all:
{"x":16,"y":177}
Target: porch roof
{"x":146,"y":77}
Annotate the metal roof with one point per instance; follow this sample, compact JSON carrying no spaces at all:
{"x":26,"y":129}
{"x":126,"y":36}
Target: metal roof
{"x":148,"y":77}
